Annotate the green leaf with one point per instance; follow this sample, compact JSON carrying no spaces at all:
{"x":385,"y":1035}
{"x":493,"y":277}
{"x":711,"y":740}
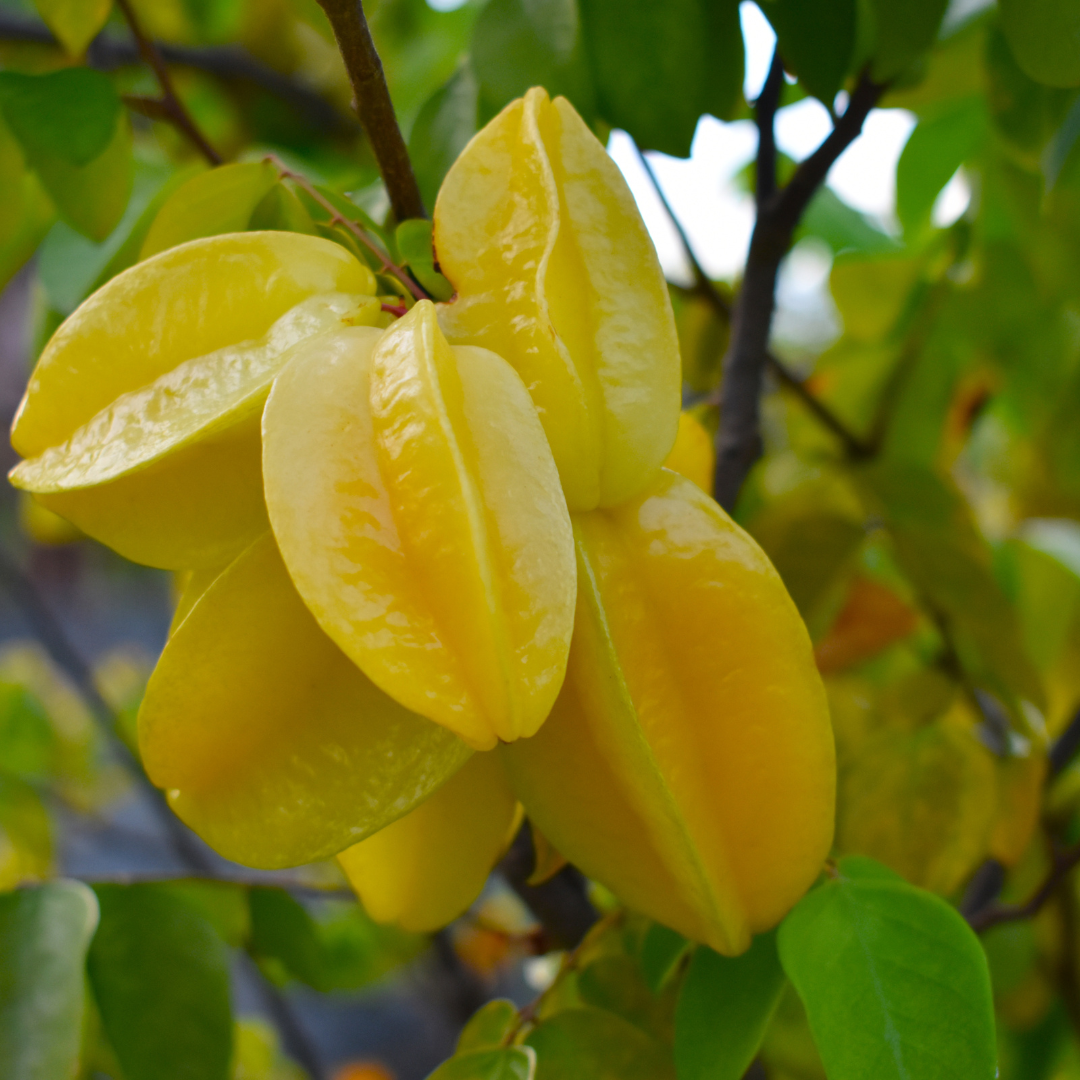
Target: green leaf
{"x":218,"y":201}
{"x":894,"y":981}
{"x":590,"y":1042}
{"x":659,"y":67}
{"x":490,"y":1026}
{"x":222,"y":904}
{"x":160,"y":977}
{"x":25,"y":834}
{"x":36,"y":215}
{"x":281,"y":929}
{"x":661,"y":951}
{"x":70,"y":114}
{"x":903,"y":29}
{"x":74,"y":22}
{"x":724,"y":1008}
{"x":414,"y":245}
{"x":842,"y":227}
{"x":281,"y":209}
{"x":936,"y":149}
{"x":509,"y":1063}
{"x":91,"y":198}
{"x":44,"y":933}
{"x":517,"y":44}
{"x":1044,"y":36}
{"x":445,"y":123}
{"x":816,"y":38}
{"x":71,"y":266}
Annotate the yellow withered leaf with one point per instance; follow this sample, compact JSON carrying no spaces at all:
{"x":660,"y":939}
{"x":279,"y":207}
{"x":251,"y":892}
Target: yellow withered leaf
{"x":688,"y":762}
{"x":554,"y":270}
{"x":271,"y":744}
{"x":425,"y":869}
{"x":418,"y":510}
{"x":140,"y":423}
{"x":921,"y":801}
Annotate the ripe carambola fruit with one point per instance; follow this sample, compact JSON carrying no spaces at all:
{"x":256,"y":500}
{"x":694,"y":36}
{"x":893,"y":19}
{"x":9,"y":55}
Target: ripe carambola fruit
{"x":426,"y":868}
{"x":554,"y":270}
{"x":272,"y":745}
{"x":688,"y":763}
{"x":141,"y":419}
{"x":418,"y":509}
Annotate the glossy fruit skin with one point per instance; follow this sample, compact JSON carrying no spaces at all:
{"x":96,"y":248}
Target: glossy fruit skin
{"x":140,"y":421}
{"x":688,"y":764}
{"x":271,"y":744}
{"x":419,"y":512}
{"x":425,"y":869}
{"x":538,"y":232}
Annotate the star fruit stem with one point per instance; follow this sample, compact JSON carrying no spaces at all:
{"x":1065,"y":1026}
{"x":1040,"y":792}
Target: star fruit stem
{"x":375,"y":110}
{"x":779,"y":210}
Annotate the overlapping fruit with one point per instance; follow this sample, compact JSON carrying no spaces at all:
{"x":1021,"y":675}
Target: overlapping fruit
{"x":435,"y":571}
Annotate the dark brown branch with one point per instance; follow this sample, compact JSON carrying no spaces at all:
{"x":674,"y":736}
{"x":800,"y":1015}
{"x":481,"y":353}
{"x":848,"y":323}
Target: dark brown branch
{"x":704,"y":287}
{"x":778,"y":214}
{"x":765,"y":114}
{"x":559,"y":903}
{"x":170,"y":108}
{"x":371,"y":100}
{"x":993,"y":914}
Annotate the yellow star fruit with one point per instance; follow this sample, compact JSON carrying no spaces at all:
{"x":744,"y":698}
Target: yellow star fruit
{"x":141,"y":420}
{"x":425,"y":869}
{"x":270,"y":742}
{"x":688,"y":763}
{"x":537,"y":230}
{"x":419,"y":512}
{"x":693,"y":455}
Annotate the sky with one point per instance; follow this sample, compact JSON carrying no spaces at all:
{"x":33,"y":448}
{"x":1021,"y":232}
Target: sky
{"x":718,"y":216}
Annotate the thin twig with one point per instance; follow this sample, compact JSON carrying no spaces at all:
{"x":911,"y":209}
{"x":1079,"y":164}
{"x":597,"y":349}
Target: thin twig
{"x":778,"y":213}
{"x":371,"y":100}
{"x":227,"y":62}
{"x":993,"y":914}
{"x":704,"y":287}
{"x":172,"y":109}
{"x":337,"y":218}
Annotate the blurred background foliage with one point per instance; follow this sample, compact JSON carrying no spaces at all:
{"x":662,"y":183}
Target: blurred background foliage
{"x":934,"y":550}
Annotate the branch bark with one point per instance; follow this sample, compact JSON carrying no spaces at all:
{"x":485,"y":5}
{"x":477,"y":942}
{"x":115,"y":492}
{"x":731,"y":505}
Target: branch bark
{"x":375,"y":110}
{"x":854,"y":447}
{"x":559,"y":903}
{"x":169,"y":107}
{"x":778,"y":214}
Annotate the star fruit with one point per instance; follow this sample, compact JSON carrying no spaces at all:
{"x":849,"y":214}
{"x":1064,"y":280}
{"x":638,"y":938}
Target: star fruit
{"x":688,"y":763}
{"x":427,"y":868}
{"x":537,"y":230}
{"x":272,"y":745}
{"x":140,"y":423}
{"x":418,"y":509}
{"x":385,"y":575}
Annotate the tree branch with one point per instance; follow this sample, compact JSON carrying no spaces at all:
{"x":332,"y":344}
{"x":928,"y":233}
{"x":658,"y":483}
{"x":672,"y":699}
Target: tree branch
{"x":993,"y":914}
{"x":227,"y":62}
{"x":559,"y":903}
{"x":704,"y":287}
{"x":765,"y":115}
{"x":171,"y":108}
{"x":778,"y":213}
{"x":371,"y":100}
